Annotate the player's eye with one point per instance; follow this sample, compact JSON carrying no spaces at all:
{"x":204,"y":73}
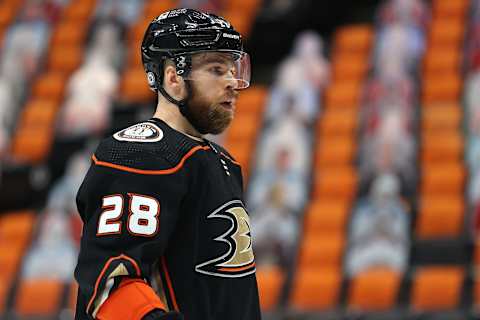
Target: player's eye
{"x":218,"y":70}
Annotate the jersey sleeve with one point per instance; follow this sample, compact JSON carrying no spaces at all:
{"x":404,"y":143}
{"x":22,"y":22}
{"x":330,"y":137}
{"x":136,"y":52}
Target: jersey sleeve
{"x":128,"y":217}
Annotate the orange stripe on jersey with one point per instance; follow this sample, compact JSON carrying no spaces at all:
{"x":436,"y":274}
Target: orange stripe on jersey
{"x":239,"y":268}
{"x":150,"y":172}
{"x":97,"y":283}
{"x":132,"y":300}
{"x":230,"y":158}
{"x":169,"y":284}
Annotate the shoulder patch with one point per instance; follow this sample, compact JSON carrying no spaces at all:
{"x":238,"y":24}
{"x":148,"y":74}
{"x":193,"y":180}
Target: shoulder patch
{"x":140,"y":132}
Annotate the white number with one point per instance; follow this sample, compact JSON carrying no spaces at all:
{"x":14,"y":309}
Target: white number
{"x":107,"y":223}
{"x":142,"y":220}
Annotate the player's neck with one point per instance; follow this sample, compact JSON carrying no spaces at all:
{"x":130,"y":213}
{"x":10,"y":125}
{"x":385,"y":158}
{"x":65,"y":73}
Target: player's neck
{"x":170,"y":114}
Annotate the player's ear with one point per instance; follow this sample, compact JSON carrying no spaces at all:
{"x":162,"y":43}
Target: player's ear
{"x":174,"y":84}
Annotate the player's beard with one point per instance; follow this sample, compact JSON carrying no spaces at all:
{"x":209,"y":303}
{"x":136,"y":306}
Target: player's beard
{"x":205,"y":116}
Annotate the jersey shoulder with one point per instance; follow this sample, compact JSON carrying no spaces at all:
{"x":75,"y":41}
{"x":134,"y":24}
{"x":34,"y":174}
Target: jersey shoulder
{"x":148,"y":145}
{"x":223,"y":152}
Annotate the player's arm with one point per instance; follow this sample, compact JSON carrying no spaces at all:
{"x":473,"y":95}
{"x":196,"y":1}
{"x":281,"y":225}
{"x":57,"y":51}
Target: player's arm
{"x":128,"y":219}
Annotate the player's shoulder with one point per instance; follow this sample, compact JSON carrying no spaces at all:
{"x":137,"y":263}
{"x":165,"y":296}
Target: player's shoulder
{"x":147,"y":146}
{"x":221,"y":150}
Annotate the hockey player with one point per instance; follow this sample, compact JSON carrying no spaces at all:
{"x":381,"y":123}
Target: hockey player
{"x":166,"y":234}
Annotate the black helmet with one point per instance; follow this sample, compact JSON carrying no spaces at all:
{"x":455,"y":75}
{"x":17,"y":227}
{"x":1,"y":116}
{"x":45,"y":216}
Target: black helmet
{"x":179,"y":33}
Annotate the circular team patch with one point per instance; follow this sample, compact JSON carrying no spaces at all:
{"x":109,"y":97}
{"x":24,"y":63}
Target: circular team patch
{"x":141,"y":132}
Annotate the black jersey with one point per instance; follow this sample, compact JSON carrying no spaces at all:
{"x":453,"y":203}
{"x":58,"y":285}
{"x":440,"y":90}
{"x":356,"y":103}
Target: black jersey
{"x":161,"y":206}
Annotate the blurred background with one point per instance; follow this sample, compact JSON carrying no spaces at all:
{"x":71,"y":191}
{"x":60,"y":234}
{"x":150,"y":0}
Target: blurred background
{"x":359,"y":139}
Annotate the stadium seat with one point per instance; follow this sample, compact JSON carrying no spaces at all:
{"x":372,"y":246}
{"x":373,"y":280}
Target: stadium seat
{"x":335,"y":150}
{"x":436,"y":288}
{"x":72,"y":295}
{"x":442,"y":117}
{"x":242,"y":23}
{"x":38,"y":113}
{"x":10,"y":258}
{"x":442,"y":60}
{"x":326,"y":216}
{"x":16,"y":227}
{"x":246,"y":7}
{"x":134,"y":86}
{"x":444,"y":146}
{"x":65,"y":58}
{"x":78,"y":11}
{"x":136,"y":33}
{"x":440,"y":216}
{"x":338,"y":122}
{"x":353,"y":38}
{"x":245,"y":127}
{"x":270,"y":282}
{"x":374,"y":290}
{"x":38,"y":297}
{"x":449,"y":9}
{"x":442,"y":88}
{"x":252,"y":101}
{"x":152,"y":9}
{"x":349,"y":67}
{"x":319,"y":250}
{"x":442,"y":177}
{"x":4,"y":290}
{"x":343,"y":95}
{"x":338,"y":182}
{"x":50,"y":85}
{"x":447,"y":32}
{"x":32,"y":145}
{"x":69,"y":32}
{"x":315,"y":289}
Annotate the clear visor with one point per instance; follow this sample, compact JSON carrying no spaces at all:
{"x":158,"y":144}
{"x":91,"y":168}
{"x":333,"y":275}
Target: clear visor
{"x":229,"y":65}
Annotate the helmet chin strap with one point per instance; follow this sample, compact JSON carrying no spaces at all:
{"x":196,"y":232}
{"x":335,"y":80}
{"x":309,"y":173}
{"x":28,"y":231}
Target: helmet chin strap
{"x":183,"y":105}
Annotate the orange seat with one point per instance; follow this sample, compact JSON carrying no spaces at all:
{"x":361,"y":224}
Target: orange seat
{"x":72,"y":296}
{"x":38,"y":113}
{"x":374,"y":290}
{"x":50,"y":85}
{"x":252,"y":100}
{"x":338,"y":122}
{"x":137,"y":31}
{"x":315,"y":289}
{"x":65,"y":58}
{"x":242,"y":152}
{"x":4,"y":290}
{"x":440,"y":216}
{"x":441,"y":117}
{"x":243,"y":23}
{"x":153,"y":9}
{"x":447,"y":32}
{"x":32,"y":145}
{"x":338,"y":182}
{"x":442,"y":88}
{"x":325,"y":216}
{"x":17,"y":226}
{"x":39,"y":297}
{"x":270,"y":281}
{"x":7,"y":14}
{"x":243,"y":128}
{"x":245,"y":7}
{"x":343,"y":95}
{"x":353,"y":38}
{"x":69,"y":32}
{"x":318,"y":250}
{"x":442,"y":60}
{"x":336,"y":150}
{"x":134,"y":56}
{"x":442,"y":178}
{"x":443,"y":146}
{"x":450,"y":9}
{"x":134,"y":86}
{"x":10,"y":258}
{"x":349,"y":67}
{"x":78,"y":11}
{"x":436,"y":288}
